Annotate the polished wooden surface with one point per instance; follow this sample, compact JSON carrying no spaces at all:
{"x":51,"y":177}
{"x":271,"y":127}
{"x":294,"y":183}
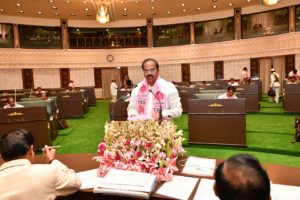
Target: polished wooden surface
{"x":292,"y":98}
{"x":218,"y":121}
{"x":284,"y":174}
{"x":118,"y":110}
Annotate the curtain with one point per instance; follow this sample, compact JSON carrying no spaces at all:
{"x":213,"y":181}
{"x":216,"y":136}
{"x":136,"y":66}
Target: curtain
{"x":264,"y":73}
{"x":107,"y":76}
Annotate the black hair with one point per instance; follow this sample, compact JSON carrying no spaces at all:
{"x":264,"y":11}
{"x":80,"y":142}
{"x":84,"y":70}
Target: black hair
{"x":150,"y":59}
{"x":242,"y":177}
{"x":232,"y":88}
{"x":15,"y":143}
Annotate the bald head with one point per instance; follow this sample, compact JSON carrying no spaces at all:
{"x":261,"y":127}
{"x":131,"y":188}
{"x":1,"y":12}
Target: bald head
{"x":242,"y":177}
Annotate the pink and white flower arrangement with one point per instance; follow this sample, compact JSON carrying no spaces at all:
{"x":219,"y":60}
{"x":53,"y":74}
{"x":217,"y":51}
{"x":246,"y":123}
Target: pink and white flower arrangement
{"x":143,"y":146}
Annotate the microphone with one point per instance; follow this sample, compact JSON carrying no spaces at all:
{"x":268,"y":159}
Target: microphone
{"x":112,"y":113}
{"x":160,"y":107}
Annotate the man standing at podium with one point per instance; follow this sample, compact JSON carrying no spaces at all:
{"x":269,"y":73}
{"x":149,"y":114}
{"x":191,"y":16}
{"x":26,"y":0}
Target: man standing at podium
{"x":154,"y":97}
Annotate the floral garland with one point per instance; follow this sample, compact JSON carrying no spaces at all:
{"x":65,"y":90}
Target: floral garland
{"x":143,"y":146}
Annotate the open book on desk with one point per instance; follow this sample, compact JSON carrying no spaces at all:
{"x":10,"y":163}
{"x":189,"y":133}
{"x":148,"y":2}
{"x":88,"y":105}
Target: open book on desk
{"x":127,"y":183}
{"x":199,"y":166}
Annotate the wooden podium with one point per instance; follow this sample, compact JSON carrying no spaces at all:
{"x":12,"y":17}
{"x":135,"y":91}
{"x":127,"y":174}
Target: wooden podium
{"x":186,"y":93}
{"x":33,"y":119}
{"x":217,"y":121}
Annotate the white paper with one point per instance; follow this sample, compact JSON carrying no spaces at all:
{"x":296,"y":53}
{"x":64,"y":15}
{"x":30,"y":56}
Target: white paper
{"x":205,"y":190}
{"x":122,"y":180}
{"x":199,"y":166}
{"x":285,"y":192}
{"x":89,"y":179}
{"x":180,"y":187}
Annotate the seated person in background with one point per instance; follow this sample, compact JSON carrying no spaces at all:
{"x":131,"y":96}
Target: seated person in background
{"x":244,"y":78}
{"x":241,"y":177}
{"x":44,"y":96}
{"x":11,"y":103}
{"x":127,"y":82}
{"x":294,"y":73}
{"x":39,"y":90}
{"x":232,"y":82}
{"x":229,"y":94}
{"x":71,"y":84}
{"x":292,"y":80}
{"x":113,"y":90}
{"x":20,"y":179}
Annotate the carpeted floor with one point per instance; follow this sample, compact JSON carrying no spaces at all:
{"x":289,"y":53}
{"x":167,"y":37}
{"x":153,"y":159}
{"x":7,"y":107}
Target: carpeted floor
{"x":269,"y":135}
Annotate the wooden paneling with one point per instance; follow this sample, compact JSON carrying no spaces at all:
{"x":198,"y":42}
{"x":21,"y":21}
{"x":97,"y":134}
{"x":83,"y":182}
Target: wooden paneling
{"x":185,"y":72}
{"x":219,"y":70}
{"x":98,"y":77}
{"x":64,"y":77}
{"x":254,"y":67}
{"x":27,"y":76}
{"x":289,"y":64}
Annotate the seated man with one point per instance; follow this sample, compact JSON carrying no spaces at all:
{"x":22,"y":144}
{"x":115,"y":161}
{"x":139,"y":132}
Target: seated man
{"x":241,"y":177}
{"x":232,"y":82}
{"x":229,"y":94}
{"x":11,"y":103}
{"x":292,"y":80}
{"x":39,"y":90}
{"x":19,"y":179}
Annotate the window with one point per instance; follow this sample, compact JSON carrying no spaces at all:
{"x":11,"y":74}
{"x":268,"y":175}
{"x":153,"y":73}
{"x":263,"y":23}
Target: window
{"x":214,"y":31}
{"x":171,"y":35}
{"x":40,"y":37}
{"x":93,"y":38}
{"x":297,"y":15}
{"x":6,"y":36}
{"x":265,"y":23}
{"x":219,"y":70}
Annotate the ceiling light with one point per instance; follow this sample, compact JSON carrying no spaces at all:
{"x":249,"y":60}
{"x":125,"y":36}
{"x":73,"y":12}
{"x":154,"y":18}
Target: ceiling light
{"x":18,"y":4}
{"x":198,"y":9}
{"x":270,"y":2}
{"x":102,"y":15}
{"x":140,"y":14}
{"x":248,"y":1}
{"x":121,"y":2}
{"x":39,"y":12}
{"x":2,"y":10}
{"x":184,"y":10}
{"x":230,"y":4}
{"x":84,"y":2}
{"x":125,"y":9}
{"x":68,"y":1}
{"x":56,"y":14}
{"x":183,"y":4}
{"x":152,"y":1}
{"x":51,"y":1}
{"x":153,"y":7}
{"x":136,"y":1}
{"x":169,"y":12}
{"x":214,"y":6}
{"x":73,"y":15}
{"x":21,"y":11}
{"x":54,"y":7}
{"x":86,"y":9}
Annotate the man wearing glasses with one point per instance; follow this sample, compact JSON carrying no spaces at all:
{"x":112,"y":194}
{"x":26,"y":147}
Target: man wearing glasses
{"x":154,"y":97}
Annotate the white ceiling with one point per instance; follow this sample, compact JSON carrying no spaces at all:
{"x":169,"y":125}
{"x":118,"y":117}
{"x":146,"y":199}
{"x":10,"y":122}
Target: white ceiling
{"x":86,"y":9}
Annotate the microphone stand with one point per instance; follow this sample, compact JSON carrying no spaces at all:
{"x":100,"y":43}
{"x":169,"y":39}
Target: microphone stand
{"x":160,"y":107}
{"x":112,"y":113}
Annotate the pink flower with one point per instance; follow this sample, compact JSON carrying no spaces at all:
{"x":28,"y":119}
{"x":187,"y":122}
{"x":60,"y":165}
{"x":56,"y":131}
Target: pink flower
{"x":127,"y":142}
{"x":160,"y":95}
{"x":148,"y":144}
{"x":141,"y":109}
{"x":143,"y":88}
{"x":101,"y":148}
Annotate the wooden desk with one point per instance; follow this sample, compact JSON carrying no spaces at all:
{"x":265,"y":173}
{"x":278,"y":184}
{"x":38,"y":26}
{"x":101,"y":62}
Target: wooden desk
{"x":252,"y":96}
{"x":186,"y":93}
{"x":33,"y":119}
{"x":292,"y":98}
{"x":218,"y":121}
{"x":118,"y":110}
{"x":285,"y":175}
{"x":70,"y":104}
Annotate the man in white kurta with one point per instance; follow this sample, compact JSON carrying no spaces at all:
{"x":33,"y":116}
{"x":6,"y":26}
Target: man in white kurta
{"x":113,"y":90}
{"x":153,"y":96}
{"x":11,"y":103}
{"x":229,"y":94}
{"x":275,"y":84}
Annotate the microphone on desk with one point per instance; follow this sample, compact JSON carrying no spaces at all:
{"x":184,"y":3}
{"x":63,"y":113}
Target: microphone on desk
{"x":160,"y":106}
{"x":112,"y":113}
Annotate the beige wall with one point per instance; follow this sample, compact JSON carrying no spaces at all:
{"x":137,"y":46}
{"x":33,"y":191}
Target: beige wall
{"x":82,"y":76}
{"x":11,"y":79}
{"x":46,"y":78}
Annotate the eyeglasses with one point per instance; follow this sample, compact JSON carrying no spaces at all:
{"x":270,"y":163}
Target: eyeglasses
{"x":152,"y":70}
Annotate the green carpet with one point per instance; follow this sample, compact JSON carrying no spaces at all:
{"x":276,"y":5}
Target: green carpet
{"x":269,"y":135}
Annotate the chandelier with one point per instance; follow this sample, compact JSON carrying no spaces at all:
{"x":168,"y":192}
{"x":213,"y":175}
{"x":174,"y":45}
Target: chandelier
{"x":270,"y":2}
{"x":102,"y":15}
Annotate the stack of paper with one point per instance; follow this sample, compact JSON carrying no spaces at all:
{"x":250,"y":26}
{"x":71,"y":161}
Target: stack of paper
{"x":180,"y":187}
{"x":89,"y":179}
{"x":284,"y":192}
{"x":127,"y":183}
{"x":199,"y":166}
